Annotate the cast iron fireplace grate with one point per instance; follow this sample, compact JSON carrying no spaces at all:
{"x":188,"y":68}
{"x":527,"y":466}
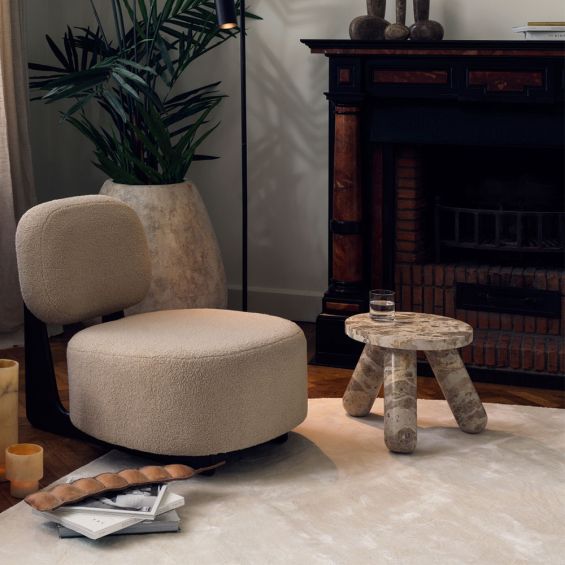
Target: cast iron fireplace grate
{"x":499,"y":230}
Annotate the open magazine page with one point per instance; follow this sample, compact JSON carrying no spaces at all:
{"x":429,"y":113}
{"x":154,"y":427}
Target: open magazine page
{"x":140,"y":502}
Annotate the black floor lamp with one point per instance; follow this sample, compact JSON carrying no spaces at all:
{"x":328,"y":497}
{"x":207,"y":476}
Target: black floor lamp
{"x":227,"y":19}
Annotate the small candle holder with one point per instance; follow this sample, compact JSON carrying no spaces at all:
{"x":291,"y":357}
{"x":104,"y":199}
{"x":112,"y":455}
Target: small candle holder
{"x":24,"y":468}
{"x":8,"y":409}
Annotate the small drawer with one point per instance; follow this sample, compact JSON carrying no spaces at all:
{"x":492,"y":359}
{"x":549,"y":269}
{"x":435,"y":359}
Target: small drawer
{"x":403,"y":80}
{"x":505,"y":81}
{"x":415,"y":77}
{"x":517,"y":85}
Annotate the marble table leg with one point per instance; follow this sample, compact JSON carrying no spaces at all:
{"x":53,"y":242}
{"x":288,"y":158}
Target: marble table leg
{"x":458,"y":390}
{"x":366,"y":382}
{"x":400,"y":400}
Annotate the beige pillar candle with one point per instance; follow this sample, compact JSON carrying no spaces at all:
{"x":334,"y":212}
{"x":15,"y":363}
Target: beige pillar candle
{"x":24,"y":468}
{"x":8,"y":409}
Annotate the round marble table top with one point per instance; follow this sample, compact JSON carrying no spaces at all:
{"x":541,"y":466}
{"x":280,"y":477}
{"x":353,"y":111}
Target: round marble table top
{"x":413,"y":331}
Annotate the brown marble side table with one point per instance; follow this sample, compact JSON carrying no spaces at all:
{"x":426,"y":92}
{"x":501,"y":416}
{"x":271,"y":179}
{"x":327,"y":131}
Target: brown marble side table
{"x":390,"y":356}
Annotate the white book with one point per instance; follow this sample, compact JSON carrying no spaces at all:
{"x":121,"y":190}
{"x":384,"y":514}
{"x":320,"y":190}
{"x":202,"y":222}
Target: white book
{"x":96,"y":525}
{"x":541,"y":33}
{"x":164,"y":523}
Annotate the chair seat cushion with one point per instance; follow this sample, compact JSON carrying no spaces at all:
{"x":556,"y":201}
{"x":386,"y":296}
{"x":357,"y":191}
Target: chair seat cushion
{"x":188,"y":382}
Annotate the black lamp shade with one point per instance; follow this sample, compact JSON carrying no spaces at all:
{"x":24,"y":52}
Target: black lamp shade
{"x":225,"y":11}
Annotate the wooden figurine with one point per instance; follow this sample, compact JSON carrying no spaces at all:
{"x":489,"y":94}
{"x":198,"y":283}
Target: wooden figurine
{"x":376,"y":8}
{"x":425,"y":29}
{"x":398,"y":31}
{"x":372,"y":26}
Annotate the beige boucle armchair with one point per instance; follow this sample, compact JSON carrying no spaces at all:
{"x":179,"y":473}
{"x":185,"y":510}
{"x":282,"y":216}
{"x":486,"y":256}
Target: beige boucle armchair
{"x":179,"y":382}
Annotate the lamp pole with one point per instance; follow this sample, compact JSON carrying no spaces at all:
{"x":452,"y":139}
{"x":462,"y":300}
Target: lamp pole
{"x":244,"y":204}
{"x":227,"y":19}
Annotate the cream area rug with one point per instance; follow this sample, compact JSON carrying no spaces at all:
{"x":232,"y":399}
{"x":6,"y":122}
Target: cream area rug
{"x":334,"y":494}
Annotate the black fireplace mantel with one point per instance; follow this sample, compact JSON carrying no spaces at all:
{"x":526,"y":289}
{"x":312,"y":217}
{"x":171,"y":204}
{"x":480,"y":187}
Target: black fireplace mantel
{"x":382,"y":94}
{"x":448,"y":71}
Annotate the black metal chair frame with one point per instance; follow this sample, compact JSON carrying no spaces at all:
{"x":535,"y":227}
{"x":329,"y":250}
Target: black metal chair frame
{"x":43,"y":403}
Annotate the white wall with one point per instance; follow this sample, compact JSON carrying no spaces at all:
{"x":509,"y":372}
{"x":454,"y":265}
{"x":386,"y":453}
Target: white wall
{"x":287,"y":129}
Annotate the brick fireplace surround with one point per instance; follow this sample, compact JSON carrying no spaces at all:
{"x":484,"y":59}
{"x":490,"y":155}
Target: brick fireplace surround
{"x":502,"y":340}
{"x":390,"y":102}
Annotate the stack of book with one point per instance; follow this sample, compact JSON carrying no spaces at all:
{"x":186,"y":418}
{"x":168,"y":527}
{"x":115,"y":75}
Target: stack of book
{"x":546,"y":31}
{"x":135,"y":511}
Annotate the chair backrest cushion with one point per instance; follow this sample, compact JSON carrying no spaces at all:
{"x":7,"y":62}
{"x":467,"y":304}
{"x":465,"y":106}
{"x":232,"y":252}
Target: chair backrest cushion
{"x":81,"y":257}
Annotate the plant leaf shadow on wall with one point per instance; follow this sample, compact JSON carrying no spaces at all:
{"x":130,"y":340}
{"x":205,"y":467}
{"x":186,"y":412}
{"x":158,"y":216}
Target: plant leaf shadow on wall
{"x":288,"y":120}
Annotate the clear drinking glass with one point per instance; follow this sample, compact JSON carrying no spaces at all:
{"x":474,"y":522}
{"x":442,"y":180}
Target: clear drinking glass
{"x":381,"y":305}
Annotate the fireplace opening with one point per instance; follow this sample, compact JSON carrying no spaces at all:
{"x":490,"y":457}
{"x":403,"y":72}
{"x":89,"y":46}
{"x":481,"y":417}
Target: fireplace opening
{"x":480,"y":236}
{"x":496,"y":205}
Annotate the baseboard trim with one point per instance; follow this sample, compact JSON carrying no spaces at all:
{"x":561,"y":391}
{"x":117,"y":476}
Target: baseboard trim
{"x":545,"y":381}
{"x":12,"y":339}
{"x":297,"y":305}
{"x":16,"y":339}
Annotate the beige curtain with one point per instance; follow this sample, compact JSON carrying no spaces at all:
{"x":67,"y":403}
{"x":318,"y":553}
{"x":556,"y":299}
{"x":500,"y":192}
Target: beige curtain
{"x":16,"y":175}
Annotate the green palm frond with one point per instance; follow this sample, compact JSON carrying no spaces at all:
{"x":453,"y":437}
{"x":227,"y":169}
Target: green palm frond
{"x":130,"y":72}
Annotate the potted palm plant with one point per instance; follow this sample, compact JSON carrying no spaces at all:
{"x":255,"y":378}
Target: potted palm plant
{"x":150,"y":131}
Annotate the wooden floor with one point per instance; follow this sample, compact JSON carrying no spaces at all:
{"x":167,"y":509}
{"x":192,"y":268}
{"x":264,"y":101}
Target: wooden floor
{"x":63,"y":455}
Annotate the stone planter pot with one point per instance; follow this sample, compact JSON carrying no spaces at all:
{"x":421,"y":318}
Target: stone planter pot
{"x":187,"y":266}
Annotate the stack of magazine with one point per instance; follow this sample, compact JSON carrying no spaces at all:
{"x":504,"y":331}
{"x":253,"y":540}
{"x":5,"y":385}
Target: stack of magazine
{"x":135,"y":511}
{"x":547,"y":31}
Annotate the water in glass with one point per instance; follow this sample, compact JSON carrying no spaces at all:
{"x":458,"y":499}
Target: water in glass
{"x":382,"y":310}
